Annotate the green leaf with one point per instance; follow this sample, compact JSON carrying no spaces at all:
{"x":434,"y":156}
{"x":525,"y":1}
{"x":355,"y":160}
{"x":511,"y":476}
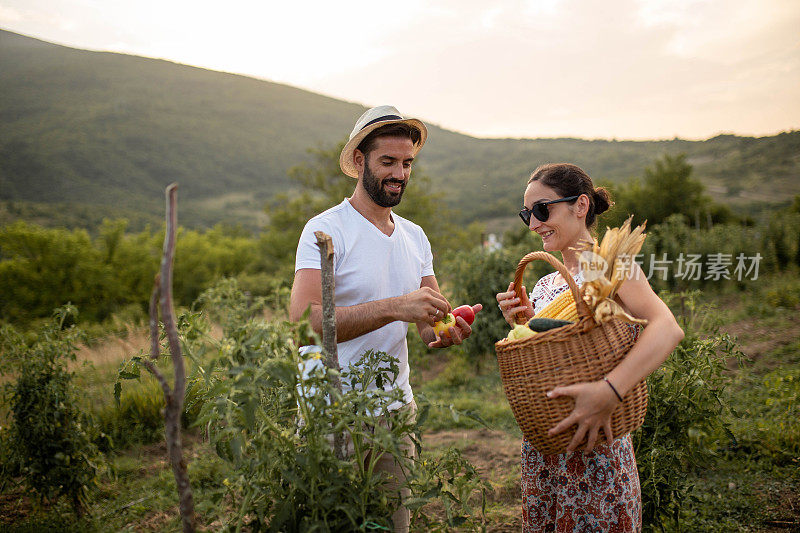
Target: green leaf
{"x":415,"y":503}
{"x":422,"y":414}
{"x":249,"y":411}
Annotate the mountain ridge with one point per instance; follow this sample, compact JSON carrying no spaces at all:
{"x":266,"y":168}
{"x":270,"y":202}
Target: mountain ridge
{"x":113,"y":129}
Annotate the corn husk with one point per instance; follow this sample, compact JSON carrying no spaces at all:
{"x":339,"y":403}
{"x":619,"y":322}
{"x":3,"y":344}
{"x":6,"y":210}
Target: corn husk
{"x":618,"y":249}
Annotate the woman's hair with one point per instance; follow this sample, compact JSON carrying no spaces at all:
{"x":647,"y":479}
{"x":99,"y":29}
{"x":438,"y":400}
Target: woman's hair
{"x":571,"y":180}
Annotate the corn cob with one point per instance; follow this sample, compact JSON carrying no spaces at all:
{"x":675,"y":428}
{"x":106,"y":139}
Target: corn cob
{"x":562,"y":307}
{"x":598,"y":293}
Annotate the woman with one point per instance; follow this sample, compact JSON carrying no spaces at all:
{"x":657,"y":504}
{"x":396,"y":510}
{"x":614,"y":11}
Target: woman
{"x":597,"y":488}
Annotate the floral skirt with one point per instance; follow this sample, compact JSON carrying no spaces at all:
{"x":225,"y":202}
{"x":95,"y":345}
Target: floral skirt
{"x":574,"y":491}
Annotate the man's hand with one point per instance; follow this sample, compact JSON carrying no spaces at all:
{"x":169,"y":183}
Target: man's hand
{"x":458,"y":333}
{"x":423,"y":305}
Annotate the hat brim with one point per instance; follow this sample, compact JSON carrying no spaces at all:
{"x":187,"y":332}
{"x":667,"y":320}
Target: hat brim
{"x":346,"y":162}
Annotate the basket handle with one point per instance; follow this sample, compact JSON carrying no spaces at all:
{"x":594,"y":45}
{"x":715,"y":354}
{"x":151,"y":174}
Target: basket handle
{"x":582,"y":308}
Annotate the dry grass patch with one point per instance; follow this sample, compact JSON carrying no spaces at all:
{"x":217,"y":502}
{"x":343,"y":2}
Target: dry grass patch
{"x":111,"y":350}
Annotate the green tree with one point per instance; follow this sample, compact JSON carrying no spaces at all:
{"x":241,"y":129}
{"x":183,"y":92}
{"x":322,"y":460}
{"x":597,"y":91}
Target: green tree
{"x":321,"y":185}
{"x":797,"y":251}
{"x":795,"y":207}
{"x":777,"y":238}
{"x":132,"y":259}
{"x":41,"y":269}
{"x":667,"y":188}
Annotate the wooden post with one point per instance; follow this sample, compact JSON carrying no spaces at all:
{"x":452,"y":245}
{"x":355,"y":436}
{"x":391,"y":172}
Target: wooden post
{"x":162,"y":297}
{"x":329,"y":322}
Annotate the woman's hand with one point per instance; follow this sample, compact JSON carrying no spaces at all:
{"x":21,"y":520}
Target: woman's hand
{"x":510,"y":304}
{"x":594,"y":403}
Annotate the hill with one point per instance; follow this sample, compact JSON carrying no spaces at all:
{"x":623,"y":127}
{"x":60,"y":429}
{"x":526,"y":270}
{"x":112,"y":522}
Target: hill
{"x":100,"y":132}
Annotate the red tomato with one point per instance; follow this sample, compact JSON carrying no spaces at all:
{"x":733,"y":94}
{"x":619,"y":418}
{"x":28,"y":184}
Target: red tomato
{"x":465,"y":312}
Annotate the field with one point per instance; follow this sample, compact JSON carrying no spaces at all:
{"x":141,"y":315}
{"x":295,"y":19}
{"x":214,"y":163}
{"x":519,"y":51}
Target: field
{"x":88,"y":142}
{"x":753,"y":485}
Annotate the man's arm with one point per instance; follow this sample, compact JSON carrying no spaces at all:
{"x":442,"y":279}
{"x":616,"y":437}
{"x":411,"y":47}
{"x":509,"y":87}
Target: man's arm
{"x":353,"y":321}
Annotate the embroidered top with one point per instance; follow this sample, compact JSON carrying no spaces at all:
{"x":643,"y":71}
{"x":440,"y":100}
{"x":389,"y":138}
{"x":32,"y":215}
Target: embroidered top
{"x":545,"y":290}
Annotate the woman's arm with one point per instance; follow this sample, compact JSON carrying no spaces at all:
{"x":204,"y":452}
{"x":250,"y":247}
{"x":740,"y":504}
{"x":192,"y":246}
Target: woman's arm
{"x":661,"y":335}
{"x":594,"y":402}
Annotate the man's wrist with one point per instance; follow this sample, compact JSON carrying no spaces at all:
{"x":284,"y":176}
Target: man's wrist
{"x":389,"y":309}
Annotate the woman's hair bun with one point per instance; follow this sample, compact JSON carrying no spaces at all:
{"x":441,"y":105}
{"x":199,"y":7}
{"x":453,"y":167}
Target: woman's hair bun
{"x":602,"y":200}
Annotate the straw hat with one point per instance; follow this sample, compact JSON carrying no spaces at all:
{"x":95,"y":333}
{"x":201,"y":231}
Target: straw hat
{"x":372,"y":119}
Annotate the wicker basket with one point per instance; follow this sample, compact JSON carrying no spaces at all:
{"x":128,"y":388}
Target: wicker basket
{"x":581,"y":352}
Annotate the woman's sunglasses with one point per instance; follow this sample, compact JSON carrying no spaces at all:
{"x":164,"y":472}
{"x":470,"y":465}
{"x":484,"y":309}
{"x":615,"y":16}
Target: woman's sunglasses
{"x":540,"y":211}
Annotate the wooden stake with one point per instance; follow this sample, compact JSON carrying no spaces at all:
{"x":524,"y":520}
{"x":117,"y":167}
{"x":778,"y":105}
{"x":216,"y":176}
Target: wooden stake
{"x":330,"y":352}
{"x":162,"y":297}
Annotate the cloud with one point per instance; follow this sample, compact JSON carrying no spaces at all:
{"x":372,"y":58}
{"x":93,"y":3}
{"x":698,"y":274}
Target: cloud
{"x":9,"y":15}
{"x":619,"y":68}
{"x":611,"y":69}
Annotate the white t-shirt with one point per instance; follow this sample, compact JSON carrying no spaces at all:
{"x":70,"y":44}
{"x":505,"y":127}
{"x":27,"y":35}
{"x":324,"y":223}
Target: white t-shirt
{"x":369,"y":265}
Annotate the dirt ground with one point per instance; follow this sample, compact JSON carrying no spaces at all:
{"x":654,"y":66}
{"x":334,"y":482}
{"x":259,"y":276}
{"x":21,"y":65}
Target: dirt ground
{"x":492,"y":452}
{"x":496,"y":456}
{"x":757,"y":338}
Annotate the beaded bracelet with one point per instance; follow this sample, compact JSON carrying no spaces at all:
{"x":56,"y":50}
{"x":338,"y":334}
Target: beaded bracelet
{"x":613,"y":388}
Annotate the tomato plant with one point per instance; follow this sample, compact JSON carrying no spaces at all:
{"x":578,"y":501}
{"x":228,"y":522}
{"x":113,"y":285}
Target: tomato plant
{"x":49,"y":441}
{"x":269,"y":415}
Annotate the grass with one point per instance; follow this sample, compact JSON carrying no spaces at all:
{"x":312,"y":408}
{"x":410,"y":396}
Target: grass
{"x":137,"y":495}
{"x":744,"y":492}
{"x":109,"y":352}
{"x":753,"y":485}
{"x":481,"y":395}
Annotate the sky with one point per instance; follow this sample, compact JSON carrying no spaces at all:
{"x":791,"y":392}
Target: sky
{"x":611,"y":69}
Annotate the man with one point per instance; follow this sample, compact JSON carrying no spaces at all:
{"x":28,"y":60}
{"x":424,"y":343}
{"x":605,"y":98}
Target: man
{"x":383,"y":265}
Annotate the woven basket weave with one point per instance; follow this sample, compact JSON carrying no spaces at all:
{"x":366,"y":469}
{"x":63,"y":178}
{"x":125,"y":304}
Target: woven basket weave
{"x":581,"y":352}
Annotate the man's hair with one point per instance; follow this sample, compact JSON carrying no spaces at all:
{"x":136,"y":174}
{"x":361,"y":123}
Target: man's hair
{"x":390,"y":130}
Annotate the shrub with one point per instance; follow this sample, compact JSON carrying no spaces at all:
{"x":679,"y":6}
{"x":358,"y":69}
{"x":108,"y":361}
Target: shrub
{"x":137,"y":415}
{"x":785,"y":295}
{"x":674,"y":240}
{"x":780,"y":425}
{"x":270,"y":417}
{"x":687,"y":413}
{"x":49,"y":441}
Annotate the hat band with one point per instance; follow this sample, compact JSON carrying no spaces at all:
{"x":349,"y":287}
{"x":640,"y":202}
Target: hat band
{"x":379,"y":119}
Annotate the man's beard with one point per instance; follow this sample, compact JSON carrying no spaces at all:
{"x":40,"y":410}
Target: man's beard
{"x":375,"y":190}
